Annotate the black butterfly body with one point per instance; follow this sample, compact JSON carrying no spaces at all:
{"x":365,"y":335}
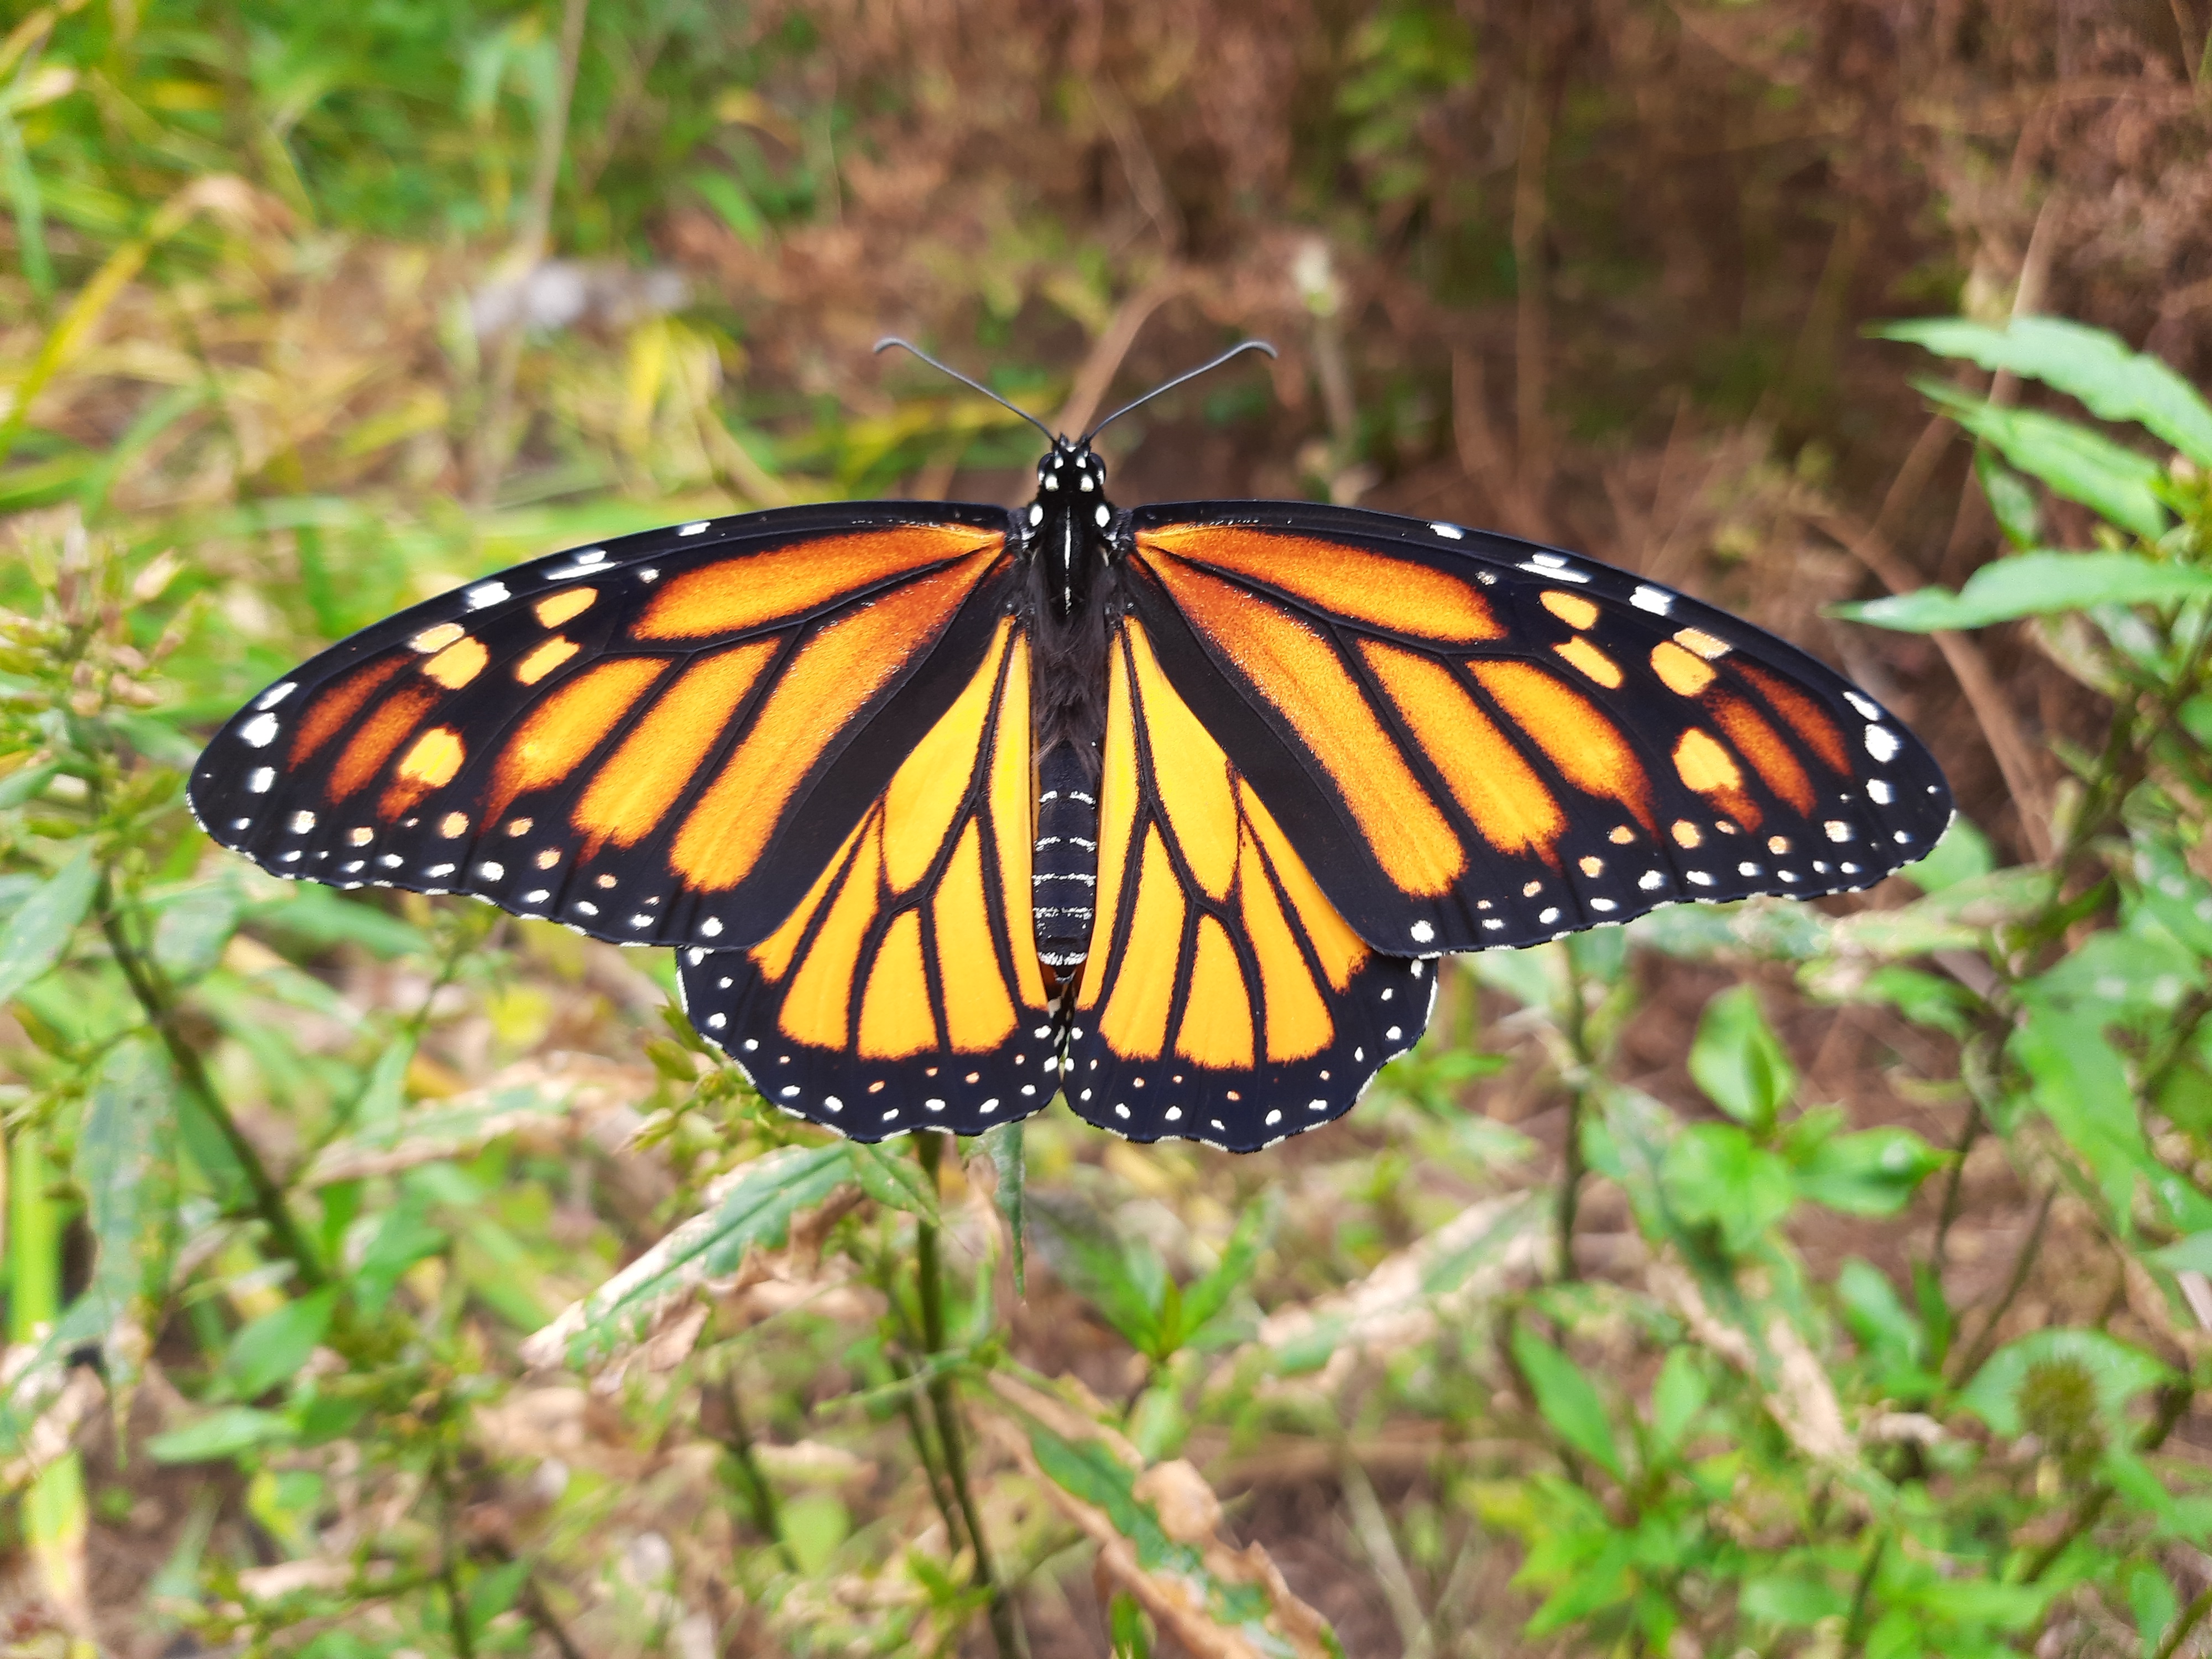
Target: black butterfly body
{"x":950,"y":808}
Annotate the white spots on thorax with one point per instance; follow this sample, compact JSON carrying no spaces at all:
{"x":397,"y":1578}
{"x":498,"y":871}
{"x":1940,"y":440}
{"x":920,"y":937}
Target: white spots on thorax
{"x":1036,"y":513}
{"x":1103,"y":516}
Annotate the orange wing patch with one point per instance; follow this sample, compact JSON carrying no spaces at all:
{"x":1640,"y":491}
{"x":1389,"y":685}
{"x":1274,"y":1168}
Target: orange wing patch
{"x":753,"y":590}
{"x":1385,"y":592}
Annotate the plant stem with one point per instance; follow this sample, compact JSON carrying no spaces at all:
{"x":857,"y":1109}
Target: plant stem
{"x":1970,"y":1359}
{"x":1576,"y":1027}
{"x":1854,"y":1625}
{"x":1007,"y":1632}
{"x":152,"y":991}
{"x":2192,"y":1616}
{"x":760,"y":1497}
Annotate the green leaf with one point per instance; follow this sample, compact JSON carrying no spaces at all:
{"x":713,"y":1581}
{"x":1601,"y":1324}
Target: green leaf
{"x":729,"y":199}
{"x":1790,"y":1599}
{"x":1564,"y":1396}
{"x":2113,"y":382}
{"x":2152,"y":1600}
{"x":2117,"y":1371}
{"x":752,"y":1206}
{"x":1123,"y":1279}
{"x":1962,"y":852}
{"x":2011,"y":502}
{"x":889,"y":1178}
{"x":403,"y":1238}
{"x":39,"y":930}
{"x":1876,"y":1314}
{"x":1714,"y":1174}
{"x":273,"y":1347}
{"x":494,"y":1592}
{"x":1739,"y":1061}
{"x":814,"y":1524}
{"x":1004,"y":1143}
{"x":2118,"y":485}
{"x":2035,"y":585}
{"x":1875,"y":1172}
{"x":1678,"y":1395}
{"x":220,"y":1434}
{"x":193,"y":927}
{"x":2081,"y":1084}
{"x":126,"y":1165}
{"x":1206,"y":1296}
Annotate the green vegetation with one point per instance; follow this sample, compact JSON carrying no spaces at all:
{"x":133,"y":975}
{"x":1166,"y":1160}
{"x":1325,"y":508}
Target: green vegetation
{"x":386,"y":1276}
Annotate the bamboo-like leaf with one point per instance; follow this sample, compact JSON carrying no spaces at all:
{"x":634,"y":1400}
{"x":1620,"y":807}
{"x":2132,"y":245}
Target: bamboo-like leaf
{"x":2113,"y":382}
{"x":39,"y":932}
{"x":126,"y":1164}
{"x":2036,"y":585}
{"x":2080,"y":464}
{"x":752,"y":1206}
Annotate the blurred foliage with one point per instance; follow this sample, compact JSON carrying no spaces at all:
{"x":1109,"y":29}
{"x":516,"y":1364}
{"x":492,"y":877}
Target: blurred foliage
{"x":385,"y":1276}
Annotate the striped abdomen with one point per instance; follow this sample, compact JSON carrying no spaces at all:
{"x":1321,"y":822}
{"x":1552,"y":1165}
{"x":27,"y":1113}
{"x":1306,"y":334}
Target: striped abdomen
{"x":1065,"y":870}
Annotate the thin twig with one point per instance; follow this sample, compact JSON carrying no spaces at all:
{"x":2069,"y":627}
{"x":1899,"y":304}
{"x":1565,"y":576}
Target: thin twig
{"x":1095,"y":377}
{"x":1372,"y":1526}
{"x":1007,"y":1632}
{"x":1530,"y":203}
{"x":760,"y":1497}
{"x":156,"y":1001}
{"x":1576,"y":1032}
{"x":1970,"y":1358}
{"x":531,"y":238}
{"x":2185,"y":1627}
{"x":1854,"y":1625}
{"x":2014,"y":758}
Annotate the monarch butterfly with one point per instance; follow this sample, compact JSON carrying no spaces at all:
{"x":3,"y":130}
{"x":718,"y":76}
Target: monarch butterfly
{"x":949,"y":810}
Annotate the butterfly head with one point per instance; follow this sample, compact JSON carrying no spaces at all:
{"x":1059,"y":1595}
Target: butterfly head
{"x":1067,"y":523}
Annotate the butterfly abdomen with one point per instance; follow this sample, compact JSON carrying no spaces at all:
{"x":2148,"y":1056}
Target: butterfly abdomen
{"x":1066,"y":867}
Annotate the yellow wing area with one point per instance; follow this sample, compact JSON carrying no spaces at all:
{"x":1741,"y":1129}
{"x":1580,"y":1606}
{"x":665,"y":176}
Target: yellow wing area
{"x":1223,"y":998}
{"x":904,"y":990}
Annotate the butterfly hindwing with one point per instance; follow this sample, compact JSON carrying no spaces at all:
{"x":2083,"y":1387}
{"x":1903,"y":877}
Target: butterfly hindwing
{"x":1477,"y":742}
{"x":904,"y":991}
{"x":1223,"y":998}
{"x":657,"y":741}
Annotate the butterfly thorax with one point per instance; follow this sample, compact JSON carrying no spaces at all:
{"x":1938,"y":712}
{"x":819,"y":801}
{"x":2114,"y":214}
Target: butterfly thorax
{"x":1067,"y":544}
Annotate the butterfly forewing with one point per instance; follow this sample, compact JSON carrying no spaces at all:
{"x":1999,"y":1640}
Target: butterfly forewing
{"x":658,"y":741}
{"x":1475,"y":742}
{"x":904,"y":991}
{"x":1223,"y":998}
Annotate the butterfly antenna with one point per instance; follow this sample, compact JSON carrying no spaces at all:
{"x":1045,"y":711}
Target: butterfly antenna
{"x":889,"y":340}
{"x":1237,"y":350}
